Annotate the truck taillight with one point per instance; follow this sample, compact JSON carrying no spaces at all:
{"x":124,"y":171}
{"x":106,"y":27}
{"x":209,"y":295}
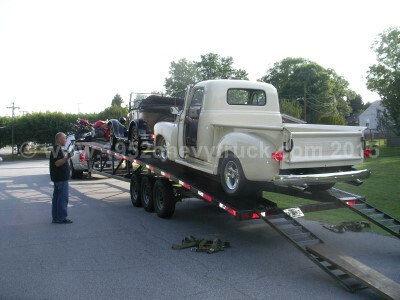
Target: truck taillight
{"x":82,"y":157}
{"x":278,"y":155}
{"x":367,"y":153}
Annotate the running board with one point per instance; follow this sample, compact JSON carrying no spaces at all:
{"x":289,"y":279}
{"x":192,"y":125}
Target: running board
{"x":349,"y":272}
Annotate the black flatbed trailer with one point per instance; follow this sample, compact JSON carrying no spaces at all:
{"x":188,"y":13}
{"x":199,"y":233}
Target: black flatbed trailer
{"x":159,"y":186}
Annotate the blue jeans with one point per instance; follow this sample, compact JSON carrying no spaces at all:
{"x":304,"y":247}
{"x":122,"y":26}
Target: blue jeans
{"x":60,"y":201}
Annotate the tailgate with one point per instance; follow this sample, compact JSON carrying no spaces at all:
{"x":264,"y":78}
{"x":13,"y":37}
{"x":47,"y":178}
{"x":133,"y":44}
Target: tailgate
{"x":322,"y":146}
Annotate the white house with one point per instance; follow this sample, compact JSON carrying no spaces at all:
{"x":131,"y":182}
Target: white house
{"x":369,"y":117}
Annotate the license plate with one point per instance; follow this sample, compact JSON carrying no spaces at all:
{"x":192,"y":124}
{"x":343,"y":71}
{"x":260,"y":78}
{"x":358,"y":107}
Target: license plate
{"x":294,"y":212}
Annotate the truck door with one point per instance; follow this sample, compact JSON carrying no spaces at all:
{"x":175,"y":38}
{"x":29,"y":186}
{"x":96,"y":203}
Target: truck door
{"x":188,"y":123}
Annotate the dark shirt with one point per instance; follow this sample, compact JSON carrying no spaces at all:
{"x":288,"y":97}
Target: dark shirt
{"x":60,"y":173}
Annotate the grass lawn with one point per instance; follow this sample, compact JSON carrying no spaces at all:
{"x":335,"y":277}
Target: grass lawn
{"x":382,"y":190}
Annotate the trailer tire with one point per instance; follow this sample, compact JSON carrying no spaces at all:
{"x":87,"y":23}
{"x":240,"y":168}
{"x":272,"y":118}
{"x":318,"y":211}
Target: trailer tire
{"x":232,"y":177}
{"x":135,"y":190}
{"x":163,"y":198}
{"x":146,"y":193}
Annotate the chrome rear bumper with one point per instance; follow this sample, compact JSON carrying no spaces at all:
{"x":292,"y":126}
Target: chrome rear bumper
{"x":313,"y":179}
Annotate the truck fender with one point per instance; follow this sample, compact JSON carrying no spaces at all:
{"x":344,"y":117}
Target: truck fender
{"x":140,"y":125}
{"x":253,"y":152}
{"x":169,"y":132}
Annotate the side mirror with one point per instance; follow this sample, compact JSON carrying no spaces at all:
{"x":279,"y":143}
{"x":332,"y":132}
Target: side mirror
{"x":174,"y":110}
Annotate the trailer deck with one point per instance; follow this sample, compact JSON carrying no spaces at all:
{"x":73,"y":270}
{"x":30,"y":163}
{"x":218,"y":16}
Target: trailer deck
{"x":350,"y":273}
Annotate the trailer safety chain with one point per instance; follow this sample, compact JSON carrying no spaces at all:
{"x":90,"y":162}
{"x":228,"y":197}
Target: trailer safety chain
{"x":201,"y":245}
{"x":348,"y":226}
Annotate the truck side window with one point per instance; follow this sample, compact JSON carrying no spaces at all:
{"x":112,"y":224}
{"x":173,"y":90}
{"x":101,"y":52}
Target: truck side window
{"x":246,"y":97}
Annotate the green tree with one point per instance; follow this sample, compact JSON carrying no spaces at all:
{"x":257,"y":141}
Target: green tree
{"x":291,"y":108}
{"x":321,"y":91}
{"x":334,"y":119}
{"x":211,"y":66}
{"x":356,"y":103}
{"x":384,"y":76}
{"x":113,"y":112}
{"x":117,"y":100}
{"x":182,"y":73}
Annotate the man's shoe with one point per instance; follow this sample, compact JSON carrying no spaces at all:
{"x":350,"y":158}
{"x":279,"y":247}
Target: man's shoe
{"x":66,"y":221}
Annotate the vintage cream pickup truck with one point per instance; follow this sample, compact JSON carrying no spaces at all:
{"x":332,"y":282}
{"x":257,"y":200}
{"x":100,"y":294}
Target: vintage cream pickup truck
{"x":234,"y":129}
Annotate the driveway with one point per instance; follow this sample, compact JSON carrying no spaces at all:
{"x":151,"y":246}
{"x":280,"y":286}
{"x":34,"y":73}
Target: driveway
{"x":116,"y":251}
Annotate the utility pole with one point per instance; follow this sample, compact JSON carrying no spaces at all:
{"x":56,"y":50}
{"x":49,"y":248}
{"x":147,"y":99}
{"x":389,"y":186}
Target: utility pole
{"x":305,"y":103}
{"x":13,"y":108}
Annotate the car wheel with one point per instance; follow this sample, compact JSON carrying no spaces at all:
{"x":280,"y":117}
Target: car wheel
{"x":232,"y":178}
{"x":134,"y":142}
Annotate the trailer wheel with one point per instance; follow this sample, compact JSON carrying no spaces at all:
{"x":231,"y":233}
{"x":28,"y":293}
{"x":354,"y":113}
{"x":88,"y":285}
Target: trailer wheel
{"x":135,"y":190}
{"x":146,"y":193}
{"x":164,"y":200}
{"x":232,"y":177}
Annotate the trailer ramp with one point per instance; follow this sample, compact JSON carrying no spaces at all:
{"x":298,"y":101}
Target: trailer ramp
{"x":360,"y":206}
{"x":350,"y":273}
{"x":356,"y":203}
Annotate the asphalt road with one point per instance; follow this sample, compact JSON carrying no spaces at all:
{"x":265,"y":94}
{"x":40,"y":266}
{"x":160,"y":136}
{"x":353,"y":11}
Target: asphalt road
{"x":116,"y":251}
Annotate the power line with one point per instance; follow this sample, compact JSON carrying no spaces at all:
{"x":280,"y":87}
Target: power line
{"x":13,"y":108}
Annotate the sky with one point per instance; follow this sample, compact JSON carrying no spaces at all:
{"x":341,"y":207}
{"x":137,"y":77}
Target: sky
{"x":75,"y":56}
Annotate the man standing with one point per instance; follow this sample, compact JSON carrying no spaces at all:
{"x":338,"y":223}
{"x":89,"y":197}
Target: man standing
{"x":59,"y":174}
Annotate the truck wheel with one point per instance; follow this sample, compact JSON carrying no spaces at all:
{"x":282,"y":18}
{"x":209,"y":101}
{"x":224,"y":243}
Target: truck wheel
{"x":73,"y":173}
{"x":161,"y":149}
{"x":164,"y":200}
{"x":232,"y":177}
{"x":134,"y":142}
{"x":135,"y":190}
{"x":146,"y":193}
